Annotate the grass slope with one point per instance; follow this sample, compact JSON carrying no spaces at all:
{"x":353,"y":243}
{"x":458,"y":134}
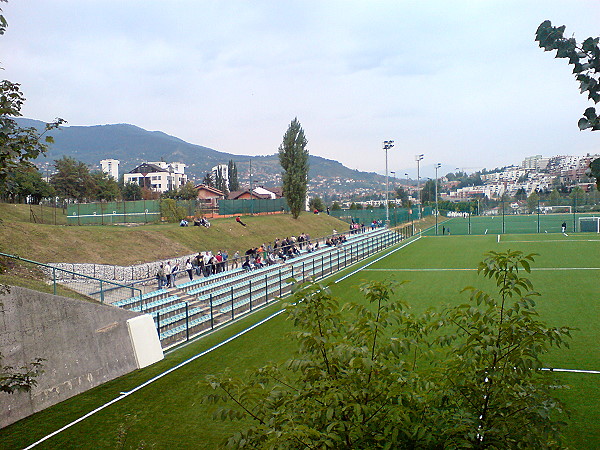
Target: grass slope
{"x":122,"y":245}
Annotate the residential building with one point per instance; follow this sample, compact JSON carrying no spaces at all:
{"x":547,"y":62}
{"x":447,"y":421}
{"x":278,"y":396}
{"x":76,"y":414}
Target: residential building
{"x":158,"y":176}
{"x":110,"y":167}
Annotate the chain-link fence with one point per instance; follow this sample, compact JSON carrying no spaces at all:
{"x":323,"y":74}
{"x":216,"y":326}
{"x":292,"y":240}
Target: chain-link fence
{"x":107,"y":213}
{"x":397,"y":216}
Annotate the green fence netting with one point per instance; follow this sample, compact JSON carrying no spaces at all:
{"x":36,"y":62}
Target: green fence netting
{"x":252,"y":206}
{"x":106,"y":213}
{"x":367,"y":216}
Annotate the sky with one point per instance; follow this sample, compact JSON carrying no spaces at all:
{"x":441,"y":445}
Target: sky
{"x":461,"y":82}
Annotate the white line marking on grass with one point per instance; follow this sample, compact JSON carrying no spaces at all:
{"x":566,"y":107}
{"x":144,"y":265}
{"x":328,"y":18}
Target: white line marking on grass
{"x":450,"y":269}
{"x":570,"y":241}
{"x":152,"y":380}
{"x":571,"y":370}
{"x":376,"y":260}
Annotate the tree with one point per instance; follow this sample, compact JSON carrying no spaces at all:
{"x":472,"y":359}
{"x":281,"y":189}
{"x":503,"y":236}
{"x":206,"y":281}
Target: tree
{"x":584,"y":57}
{"x":188,"y":191}
{"x":72,"y":179}
{"x":521,"y":194}
{"x":375,"y":375}
{"x":595,"y":171}
{"x":26,"y":182}
{"x":131,"y":191}
{"x":293,"y":158}
{"x":234,"y":183}
{"x":428,"y":192}
{"x":17,"y":147}
{"x":316,"y":203}
{"x":208,"y":180}
{"x":104,"y":187}
{"x":336,"y":206}
{"x":533,"y":201}
{"x":220,"y":182}
{"x":554,"y":198}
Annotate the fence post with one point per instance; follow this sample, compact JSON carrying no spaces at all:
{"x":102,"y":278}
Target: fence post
{"x":158,"y":323}
{"x":250,"y":282}
{"x":322,"y":267}
{"x":102,"y":293}
{"x":212,"y":317}
{"x":54,"y":279}
{"x":187,"y":322}
{"x":303,"y":277}
{"x":266,"y":289}
{"x":232,"y":314}
{"x":280,"y":279}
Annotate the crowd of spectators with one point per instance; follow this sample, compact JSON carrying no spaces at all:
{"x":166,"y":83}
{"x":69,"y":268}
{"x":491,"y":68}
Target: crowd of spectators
{"x":207,"y":264}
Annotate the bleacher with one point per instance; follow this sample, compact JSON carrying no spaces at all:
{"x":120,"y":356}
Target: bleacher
{"x":195,"y":306}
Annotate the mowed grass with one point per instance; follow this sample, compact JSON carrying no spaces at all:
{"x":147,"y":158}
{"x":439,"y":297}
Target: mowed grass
{"x":169,"y":413}
{"x":510,"y":223}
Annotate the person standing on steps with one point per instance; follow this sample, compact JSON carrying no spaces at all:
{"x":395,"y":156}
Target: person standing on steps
{"x":189,"y":269}
{"x":168,"y":270}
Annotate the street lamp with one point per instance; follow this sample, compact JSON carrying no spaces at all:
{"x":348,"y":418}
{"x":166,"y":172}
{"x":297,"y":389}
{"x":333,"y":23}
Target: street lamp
{"x":419,"y":158}
{"x":437,"y":211}
{"x":386,"y":146}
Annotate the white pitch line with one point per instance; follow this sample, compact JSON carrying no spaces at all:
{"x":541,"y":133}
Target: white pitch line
{"x":152,"y":380}
{"x":441,"y":269}
{"x":376,"y":260}
{"x":571,"y":370}
{"x":570,"y":241}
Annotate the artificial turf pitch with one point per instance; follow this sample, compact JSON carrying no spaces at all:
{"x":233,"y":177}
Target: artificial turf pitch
{"x":169,"y":413}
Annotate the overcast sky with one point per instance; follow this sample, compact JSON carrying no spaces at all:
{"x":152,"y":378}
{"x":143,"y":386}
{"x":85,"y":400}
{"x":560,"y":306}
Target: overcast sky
{"x":462,"y":82}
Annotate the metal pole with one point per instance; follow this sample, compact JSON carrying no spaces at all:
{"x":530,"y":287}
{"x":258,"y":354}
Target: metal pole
{"x":437,"y":211}
{"x":386,"y":146}
{"x":212,"y":317}
{"x":250,"y":289}
{"x":187,"y":322}
{"x":232,"y":315}
{"x":418,"y":158}
{"x":266,"y":289}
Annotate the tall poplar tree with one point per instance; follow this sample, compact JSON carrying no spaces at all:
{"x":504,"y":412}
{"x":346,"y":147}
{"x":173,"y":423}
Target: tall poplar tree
{"x":293,"y":158}
{"x":234,"y":183}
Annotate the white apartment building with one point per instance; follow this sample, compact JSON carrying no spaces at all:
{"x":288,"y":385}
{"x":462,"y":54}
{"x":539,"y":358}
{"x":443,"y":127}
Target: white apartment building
{"x":537,"y":162}
{"x":111,"y":167}
{"x":158,"y":176}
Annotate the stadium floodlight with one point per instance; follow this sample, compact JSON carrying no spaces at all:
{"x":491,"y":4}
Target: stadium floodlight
{"x":386,"y":146}
{"x":419,"y":158}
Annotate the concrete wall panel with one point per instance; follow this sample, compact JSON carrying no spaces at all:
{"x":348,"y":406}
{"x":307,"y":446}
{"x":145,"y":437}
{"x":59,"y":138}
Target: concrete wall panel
{"x":84,"y":344}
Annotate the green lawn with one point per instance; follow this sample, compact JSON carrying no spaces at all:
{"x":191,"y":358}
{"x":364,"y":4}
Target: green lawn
{"x":529,"y":223}
{"x":169,"y":413}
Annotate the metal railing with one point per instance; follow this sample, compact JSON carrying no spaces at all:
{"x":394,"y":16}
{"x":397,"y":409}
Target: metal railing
{"x":98,"y":289}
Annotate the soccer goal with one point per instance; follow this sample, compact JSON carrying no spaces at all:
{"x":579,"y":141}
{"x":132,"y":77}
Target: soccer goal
{"x":589,"y":224}
{"x":559,"y":209}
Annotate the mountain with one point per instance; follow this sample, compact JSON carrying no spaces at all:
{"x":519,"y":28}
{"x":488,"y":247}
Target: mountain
{"x":133,"y":145}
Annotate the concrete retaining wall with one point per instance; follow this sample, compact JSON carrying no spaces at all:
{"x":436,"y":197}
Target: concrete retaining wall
{"x":84,"y":344}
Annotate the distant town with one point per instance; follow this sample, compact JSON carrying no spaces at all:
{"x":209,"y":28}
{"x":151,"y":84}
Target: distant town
{"x":535,"y":174}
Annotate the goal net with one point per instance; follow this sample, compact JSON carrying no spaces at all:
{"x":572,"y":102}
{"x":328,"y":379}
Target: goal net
{"x":589,"y":224}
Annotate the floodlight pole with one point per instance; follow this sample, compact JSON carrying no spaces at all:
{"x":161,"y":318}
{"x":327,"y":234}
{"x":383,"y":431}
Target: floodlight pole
{"x":419,"y":158}
{"x":386,"y":146}
{"x":437,"y":211}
